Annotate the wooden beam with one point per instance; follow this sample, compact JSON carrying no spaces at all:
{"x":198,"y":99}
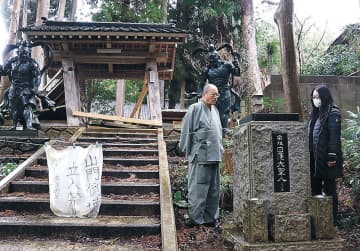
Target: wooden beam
{"x":120,"y":97}
{"x":72,"y":91}
{"x":117,"y":118}
{"x":19,"y":171}
{"x":116,"y":53}
{"x":140,"y":99}
{"x":167,"y":216}
{"x":111,"y":68}
{"x":109,"y":51}
{"x":154,"y":90}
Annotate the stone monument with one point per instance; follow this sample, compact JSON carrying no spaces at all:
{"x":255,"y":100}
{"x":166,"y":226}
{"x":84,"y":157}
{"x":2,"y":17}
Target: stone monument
{"x":273,"y":207}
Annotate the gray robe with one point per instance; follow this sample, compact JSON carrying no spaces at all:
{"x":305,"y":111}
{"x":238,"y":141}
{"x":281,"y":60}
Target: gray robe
{"x":201,"y":139}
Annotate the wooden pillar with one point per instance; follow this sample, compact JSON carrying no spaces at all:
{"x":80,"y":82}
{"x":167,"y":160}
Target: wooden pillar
{"x":120,"y":97}
{"x":162,"y":93}
{"x":72,"y":91}
{"x":154,"y":91}
{"x":182,"y":94}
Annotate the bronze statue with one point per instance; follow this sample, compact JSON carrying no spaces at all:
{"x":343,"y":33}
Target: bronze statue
{"x":218,"y":72}
{"x":24,"y":75}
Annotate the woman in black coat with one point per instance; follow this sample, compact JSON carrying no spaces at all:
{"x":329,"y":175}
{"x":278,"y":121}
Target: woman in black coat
{"x":324,"y":130}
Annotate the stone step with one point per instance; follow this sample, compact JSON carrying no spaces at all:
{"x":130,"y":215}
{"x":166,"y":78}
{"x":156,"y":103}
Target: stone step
{"x":102,"y":226}
{"x":125,"y":188}
{"x":101,"y":140}
{"x":129,"y":130}
{"x":113,"y":171}
{"x":41,"y":204}
{"x":129,"y":152}
{"x":145,"y":160}
{"x":119,"y":134}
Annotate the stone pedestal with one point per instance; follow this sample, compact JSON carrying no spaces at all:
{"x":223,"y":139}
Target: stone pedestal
{"x":320,"y":209}
{"x":271,"y":164}
{"x":290,"y":227}
{"x":256,"y":221}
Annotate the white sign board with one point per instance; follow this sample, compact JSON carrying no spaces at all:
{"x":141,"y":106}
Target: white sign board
{"x":75,"y":180}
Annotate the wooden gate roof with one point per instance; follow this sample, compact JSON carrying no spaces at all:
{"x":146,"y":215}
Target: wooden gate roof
{"x":111,"y":50}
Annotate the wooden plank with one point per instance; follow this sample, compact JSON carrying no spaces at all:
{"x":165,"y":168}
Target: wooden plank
{"x":72,"y":91}
{"x":167,"y":218}
{"x":117,"y":118}
{"x":154,"y":91}
{"x":120,"y":97}
{"x":19,"y":171}
{"x":140,"y":99}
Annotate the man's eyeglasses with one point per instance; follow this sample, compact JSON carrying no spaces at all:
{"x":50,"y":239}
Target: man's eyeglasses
{"x":214,"y":95}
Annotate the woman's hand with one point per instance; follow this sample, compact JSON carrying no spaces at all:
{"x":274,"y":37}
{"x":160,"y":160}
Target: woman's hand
{"x":331,"y":163}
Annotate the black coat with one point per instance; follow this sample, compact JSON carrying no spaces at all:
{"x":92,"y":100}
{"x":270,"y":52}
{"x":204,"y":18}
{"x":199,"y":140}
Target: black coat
{"x":327,"y":145}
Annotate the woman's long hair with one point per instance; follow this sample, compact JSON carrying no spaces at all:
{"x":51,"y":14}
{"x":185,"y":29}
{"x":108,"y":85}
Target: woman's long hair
{"x":326,"y":100}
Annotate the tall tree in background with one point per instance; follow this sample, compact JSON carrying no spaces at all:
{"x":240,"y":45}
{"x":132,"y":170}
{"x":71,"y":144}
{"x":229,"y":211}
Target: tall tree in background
{"x":290,"y":77}
{"x":61,"y":10}
{"x":164,"y":10}
{"x":14,"y":26}
{"x":249,"y":64}
{"x":42,"y":11}
{"x":73,"y":9}
{"x":128,"y":11}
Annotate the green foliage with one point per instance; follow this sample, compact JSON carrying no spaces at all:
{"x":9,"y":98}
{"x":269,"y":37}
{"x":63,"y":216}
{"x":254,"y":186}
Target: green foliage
{"x":179,"y":182}
{"x":351,"y":135}
{"x":178,"y":200}
{"x":7,"y":168}
{"x":339,"y":60}
{"x":100,"y":94}
{"x":133,"y":89}
{"x":273,"y":106}
{"x":268,"y":47}
{"x":355,"y":189}
{"x":351,"y":143}
{"x":129,"y":11}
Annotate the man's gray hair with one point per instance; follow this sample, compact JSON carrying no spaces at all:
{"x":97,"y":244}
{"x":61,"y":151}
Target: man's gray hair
{"x":207,"y":87}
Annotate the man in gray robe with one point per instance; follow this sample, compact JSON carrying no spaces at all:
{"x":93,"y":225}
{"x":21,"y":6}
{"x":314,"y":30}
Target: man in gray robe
{"x":201,"y":140}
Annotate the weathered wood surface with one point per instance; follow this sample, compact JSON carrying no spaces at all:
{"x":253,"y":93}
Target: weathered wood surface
{"x":168,"y":228}
{"x":120,"y":97}
{"x":117,"y":118}
{"x":141,"y":98}
{"x":72,"y":91}
{"x":154,"y":91}
{"x":284,"y":16}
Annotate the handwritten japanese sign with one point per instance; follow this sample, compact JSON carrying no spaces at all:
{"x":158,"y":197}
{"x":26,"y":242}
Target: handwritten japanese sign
{"x":281,"y":162}
{"x":75,"y":180}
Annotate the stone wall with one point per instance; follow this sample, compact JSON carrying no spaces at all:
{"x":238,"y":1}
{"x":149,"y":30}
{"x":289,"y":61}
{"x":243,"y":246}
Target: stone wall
{"x":345,"y":90}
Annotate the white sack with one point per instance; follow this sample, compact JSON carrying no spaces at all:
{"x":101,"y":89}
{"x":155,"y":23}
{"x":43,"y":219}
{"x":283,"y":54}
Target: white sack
{"x":75,"y":180}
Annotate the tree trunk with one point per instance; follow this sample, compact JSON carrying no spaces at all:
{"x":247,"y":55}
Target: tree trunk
{"x":290,"y":76}
{"x":164,"y":7}
{"x":249,"y":64}
{"x":61,"y":10}
{"x":42,"y":11}
{"x":14,"y":26}
{"x":25,"y":16}
{"x":73,"y":9}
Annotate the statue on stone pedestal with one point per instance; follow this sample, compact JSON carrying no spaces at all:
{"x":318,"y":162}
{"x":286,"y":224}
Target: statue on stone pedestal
{"x":25,"y":76}
{"x":218,"y":72}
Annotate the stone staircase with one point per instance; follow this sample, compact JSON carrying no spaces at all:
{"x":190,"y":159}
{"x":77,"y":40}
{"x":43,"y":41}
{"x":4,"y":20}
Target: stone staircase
{"x":130,"y":191}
